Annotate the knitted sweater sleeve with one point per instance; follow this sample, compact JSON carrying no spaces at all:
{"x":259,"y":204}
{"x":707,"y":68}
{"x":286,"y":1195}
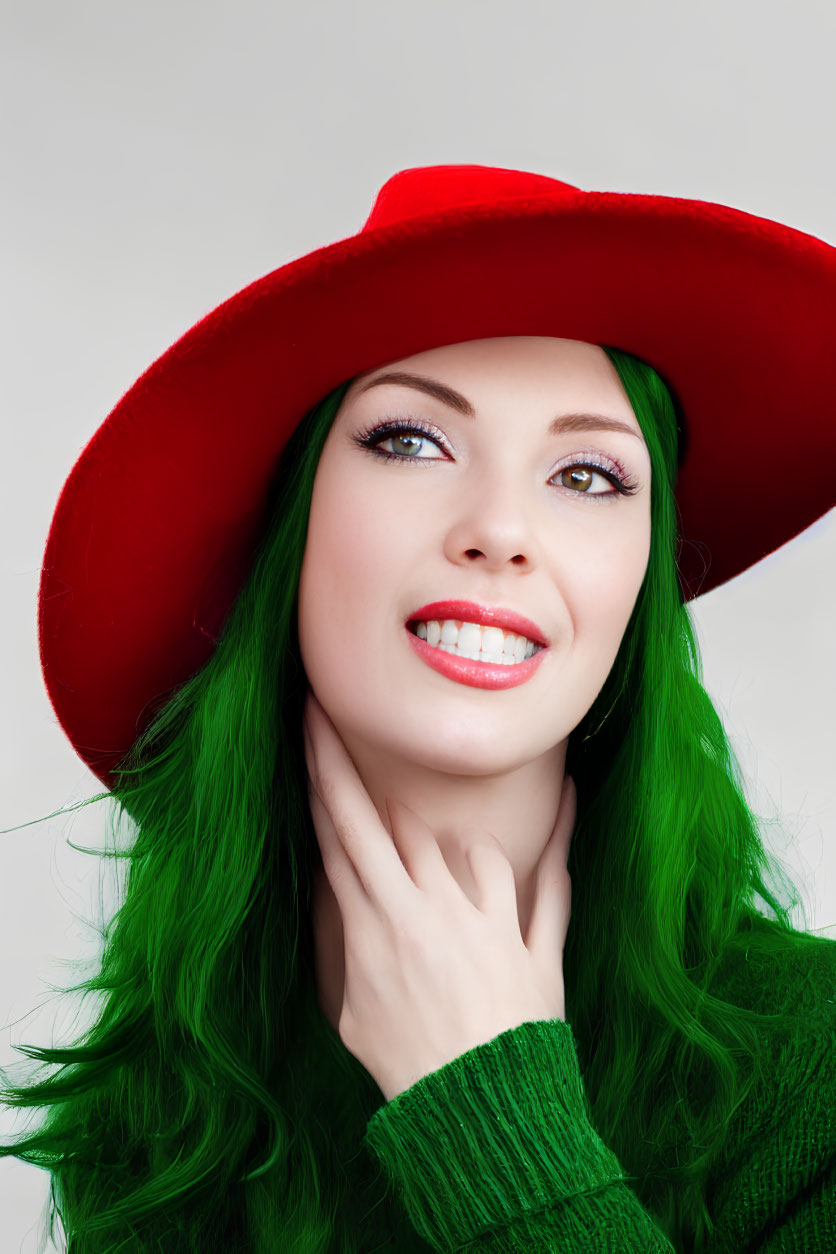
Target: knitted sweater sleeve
{"x":488,"y":1163}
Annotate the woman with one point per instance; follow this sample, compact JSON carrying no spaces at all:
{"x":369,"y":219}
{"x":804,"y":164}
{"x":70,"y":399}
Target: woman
{"x":422,"y":951}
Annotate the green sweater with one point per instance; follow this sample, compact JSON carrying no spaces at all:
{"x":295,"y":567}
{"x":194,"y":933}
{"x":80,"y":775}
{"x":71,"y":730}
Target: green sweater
{"x":496,"y":1152}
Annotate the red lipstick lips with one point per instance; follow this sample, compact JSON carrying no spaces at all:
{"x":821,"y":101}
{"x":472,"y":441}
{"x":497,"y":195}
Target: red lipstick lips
{"x":470,"y":612}
{"x":464,"y":670}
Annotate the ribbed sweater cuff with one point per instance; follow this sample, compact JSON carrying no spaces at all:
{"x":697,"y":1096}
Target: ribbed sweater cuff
{"x":500,"y":1132}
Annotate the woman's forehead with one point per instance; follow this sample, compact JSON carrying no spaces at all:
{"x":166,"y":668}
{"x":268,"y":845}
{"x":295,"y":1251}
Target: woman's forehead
{"x":455,"y":373}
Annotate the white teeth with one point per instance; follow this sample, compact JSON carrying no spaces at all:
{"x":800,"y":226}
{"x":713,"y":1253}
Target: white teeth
{"x":450,"y":632}
{"x":480,"y":644}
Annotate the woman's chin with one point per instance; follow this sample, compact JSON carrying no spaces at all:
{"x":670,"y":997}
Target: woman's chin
{"x":468,"y":753}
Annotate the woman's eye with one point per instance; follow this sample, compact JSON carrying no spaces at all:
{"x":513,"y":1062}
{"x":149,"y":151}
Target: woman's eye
{"x":408,"y":444}
{"x":406,"y":441}
{"x":409,"y":437}
{"x":580,"y":476}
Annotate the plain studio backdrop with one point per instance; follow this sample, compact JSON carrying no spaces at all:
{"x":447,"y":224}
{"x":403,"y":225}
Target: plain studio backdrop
{"x":158,"y":157}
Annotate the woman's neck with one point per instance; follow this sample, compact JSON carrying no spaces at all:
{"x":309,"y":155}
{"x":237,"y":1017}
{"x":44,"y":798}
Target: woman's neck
{"x":518,"y":807}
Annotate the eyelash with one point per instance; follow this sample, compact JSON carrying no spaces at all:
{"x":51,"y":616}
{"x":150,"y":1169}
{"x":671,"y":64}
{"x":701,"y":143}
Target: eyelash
{"x":623,"y":484}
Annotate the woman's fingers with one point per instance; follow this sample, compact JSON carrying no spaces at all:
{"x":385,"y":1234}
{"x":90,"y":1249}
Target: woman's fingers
{"x":418,"y":849}
{"x":492,"y":874}
{"x":425,"y":976}
{"x":359,"y":855}
{"x":354,"y":829}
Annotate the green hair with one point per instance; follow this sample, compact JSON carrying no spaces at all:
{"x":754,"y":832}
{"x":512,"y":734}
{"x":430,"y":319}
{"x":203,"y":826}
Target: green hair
{"x":212,"y":1107}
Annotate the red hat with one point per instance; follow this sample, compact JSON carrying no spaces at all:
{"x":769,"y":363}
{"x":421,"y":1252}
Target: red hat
{"x":154,"y":530}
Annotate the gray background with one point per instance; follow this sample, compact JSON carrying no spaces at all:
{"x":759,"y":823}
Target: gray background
{"x":157,"y":157}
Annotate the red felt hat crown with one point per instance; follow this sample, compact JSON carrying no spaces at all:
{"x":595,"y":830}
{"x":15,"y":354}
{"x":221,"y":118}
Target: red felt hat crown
{"x":154,"y":530}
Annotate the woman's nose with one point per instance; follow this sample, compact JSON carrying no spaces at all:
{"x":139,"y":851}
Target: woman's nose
{"x":495,"y":523}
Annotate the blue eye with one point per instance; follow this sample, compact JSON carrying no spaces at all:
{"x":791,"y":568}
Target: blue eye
{"x":400,"y":428}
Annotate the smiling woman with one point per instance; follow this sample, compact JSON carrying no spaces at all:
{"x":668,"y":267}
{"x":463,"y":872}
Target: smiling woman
{"x":442,"y":929}
{"x":467,"y":742}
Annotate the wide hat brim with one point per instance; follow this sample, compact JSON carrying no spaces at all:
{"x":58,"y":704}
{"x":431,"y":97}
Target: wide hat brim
{"x":154,"y":531}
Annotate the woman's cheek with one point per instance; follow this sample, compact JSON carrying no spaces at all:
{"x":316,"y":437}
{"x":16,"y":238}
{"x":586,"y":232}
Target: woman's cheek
{"x":612,"y":588}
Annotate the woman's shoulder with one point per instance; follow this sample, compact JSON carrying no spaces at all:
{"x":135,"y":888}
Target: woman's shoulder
{"x":773,"y":974}
{"x":778,"y":1158}
{"x":795,"y":1080}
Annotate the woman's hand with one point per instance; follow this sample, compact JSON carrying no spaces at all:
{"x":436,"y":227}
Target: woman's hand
{"x":427,"y":974}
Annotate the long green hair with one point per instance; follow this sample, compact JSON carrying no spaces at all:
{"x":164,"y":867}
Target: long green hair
{"x":212,"y":1107}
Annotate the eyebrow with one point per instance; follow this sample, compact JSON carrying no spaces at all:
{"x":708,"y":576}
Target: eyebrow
{"x":441,"y":392}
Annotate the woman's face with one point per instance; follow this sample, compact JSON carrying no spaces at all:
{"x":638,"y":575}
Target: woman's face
{"x":494,"y":509}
